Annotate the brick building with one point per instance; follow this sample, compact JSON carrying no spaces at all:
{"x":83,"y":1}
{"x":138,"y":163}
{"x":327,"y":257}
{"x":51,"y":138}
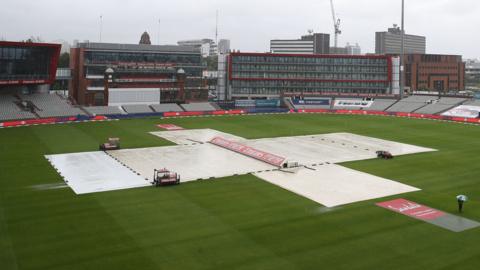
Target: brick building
{"x":140,"y":74}
{"x":434,"y":72}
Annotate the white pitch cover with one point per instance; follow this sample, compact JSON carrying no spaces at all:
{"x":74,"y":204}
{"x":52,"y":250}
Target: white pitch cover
{"x":463,"y":111}
{"x":94,"y":172}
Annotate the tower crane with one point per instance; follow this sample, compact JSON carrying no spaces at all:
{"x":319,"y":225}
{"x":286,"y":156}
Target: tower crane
{"x":336,"y":24}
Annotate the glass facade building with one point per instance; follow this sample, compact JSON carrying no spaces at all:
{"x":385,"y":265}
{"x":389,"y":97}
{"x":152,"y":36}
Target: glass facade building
{"x":266,"y":75}
{"x":191,"y":63}
{"x":175,"y":71}
{"x":28,"y":63}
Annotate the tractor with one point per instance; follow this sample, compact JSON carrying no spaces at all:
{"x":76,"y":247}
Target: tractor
{"x":384,"y":154}
{"x":165,"y":177}
{"x":111,"y":144}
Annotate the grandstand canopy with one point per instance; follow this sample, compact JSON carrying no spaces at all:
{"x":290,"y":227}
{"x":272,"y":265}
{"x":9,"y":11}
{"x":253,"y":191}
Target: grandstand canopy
{"x":26,"y":63}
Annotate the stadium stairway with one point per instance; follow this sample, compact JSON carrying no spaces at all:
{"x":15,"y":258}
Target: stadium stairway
{"x":393,"y":104}
{"x":215,"y":105}
{"x":83,"y":110}
{"x":288,"y":103}
{"x":419,"y":109}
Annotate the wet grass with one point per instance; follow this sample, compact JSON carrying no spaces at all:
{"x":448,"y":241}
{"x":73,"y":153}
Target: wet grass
{"x":237,"y":222}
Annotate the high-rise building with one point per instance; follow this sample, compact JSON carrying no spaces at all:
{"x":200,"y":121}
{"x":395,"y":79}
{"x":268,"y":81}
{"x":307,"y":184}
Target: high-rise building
{"x":338,"y":50}
{"x":223,"y":46}
{"x":390,"y":42}
{"x":472,"y":68}
{"x":316,"y":43}
{"x":207,"y":46}
{"x":353,"y":49}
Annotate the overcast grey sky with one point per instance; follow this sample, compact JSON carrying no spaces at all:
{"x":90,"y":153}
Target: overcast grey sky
{"x":451,"y":26}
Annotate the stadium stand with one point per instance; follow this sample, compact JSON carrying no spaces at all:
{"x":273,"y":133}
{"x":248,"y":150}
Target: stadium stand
{"x":166,"y":107}
{"x":133,"y":109}
{"x":216,"y":106}
{"x":10,"y":111}
{"x":381,"y":104}
{"x":473,"y":102}
{"x":200,"y":106}
{"x":452,"y":101}
{"x":52,"y":105}
{"x":441,"y":105}
{"x":411,"y":104}
{"x":104,"y":110}
{"x":434,"y":108}
{"x":14,"y":106}
{"x":288,"y":102}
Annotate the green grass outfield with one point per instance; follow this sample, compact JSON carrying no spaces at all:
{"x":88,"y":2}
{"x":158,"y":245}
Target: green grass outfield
{"x":238,"y":222}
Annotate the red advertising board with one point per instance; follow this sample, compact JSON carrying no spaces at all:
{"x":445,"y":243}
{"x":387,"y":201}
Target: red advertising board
{"x":174,"y":114}
{"x":313,"y":111}
{"x":170,"y":127}
{"x":232,"y":112}
{"x":249,"y":151}
{"x":412,"y":209}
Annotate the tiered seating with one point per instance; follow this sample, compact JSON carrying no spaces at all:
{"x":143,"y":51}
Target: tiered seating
{"x":216,"y":106}
{"x":443,"y":104}
{"x":200,"y":106}
{"x":411,"y":104}
{"x":132,"y":109}
{"x":104,"y":110}
{"x":452,"y":101}
{"x":166,"y":107}
{"x":381,"y":104}
{"x":434,"y":108}
{"x":472,"y":102}
{"x":10,"y":111}
{"x":52,"y":105}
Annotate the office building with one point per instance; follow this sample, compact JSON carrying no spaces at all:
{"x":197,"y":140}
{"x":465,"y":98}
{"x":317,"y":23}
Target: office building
{"x":353,"y":49}
{"x":224,"y":46}
{"x":390,"y":42}
{"x":315,"y":43}
{"x":433,"y":72}
{"x":338,"y":50}
{"x":472,"y":68}
{"x":258,"y":75}
{"x":206,"y":46}
{"x":120,"y":74}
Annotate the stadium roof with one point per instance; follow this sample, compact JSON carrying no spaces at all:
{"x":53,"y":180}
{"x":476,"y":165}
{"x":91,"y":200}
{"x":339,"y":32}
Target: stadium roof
{"x":138,"y":47}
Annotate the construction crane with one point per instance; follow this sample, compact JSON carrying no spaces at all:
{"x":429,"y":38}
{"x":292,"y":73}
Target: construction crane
{"x":336,"y":24}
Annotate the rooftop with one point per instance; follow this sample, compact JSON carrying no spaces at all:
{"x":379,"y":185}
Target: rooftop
{"x":137,"y":47}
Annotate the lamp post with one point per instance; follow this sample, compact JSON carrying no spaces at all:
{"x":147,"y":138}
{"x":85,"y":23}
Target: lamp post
{"x":402,"y":54}
{"x":108,"y":79}
{"x":101,"y":27}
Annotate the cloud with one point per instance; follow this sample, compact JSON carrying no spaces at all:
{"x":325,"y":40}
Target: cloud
{"x":448,"y":24}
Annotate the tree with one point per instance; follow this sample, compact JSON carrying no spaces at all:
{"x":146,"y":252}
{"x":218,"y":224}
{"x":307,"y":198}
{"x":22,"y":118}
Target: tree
{"x":145,"y":39}
{"x":33,"y":39}
{"x":64,"y":60}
